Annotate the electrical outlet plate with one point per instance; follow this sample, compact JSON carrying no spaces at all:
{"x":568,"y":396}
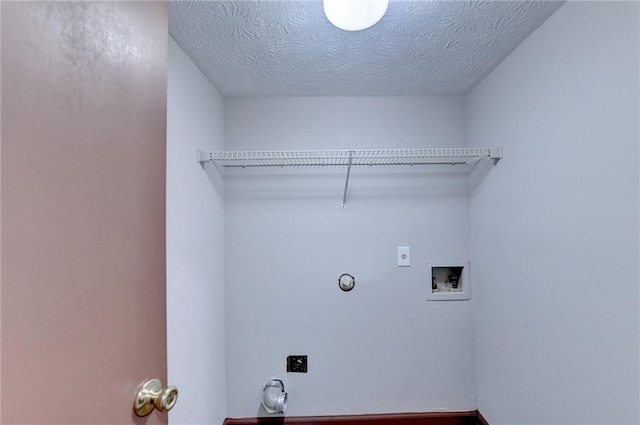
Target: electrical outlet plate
{"x":404,"y":256}
{"x":297,"y":364}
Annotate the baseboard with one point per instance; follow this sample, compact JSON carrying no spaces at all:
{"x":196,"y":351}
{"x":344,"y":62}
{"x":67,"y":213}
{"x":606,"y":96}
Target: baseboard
{"x":481,"y":419}
{"x":430,"y":418}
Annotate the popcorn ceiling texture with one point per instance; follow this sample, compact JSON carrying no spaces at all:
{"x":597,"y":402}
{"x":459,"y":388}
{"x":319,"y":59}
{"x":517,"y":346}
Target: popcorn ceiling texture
{"x":288,"y":48}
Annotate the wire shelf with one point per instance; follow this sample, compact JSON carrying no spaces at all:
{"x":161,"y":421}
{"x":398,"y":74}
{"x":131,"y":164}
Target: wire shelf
{"x":349,"y":158}
{"x":370,"y":157}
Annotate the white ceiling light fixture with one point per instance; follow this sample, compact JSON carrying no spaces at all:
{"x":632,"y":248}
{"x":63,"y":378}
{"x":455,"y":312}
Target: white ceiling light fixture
{"x":354,"y":15}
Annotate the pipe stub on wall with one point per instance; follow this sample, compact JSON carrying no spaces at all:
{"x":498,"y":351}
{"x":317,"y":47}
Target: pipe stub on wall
{"x":274,"y":398}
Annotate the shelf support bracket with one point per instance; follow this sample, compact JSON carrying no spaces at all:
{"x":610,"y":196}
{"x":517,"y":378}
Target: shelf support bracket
{"x":203,"y":157}
{"x":346,"y":183}
{"x":495,"y":154}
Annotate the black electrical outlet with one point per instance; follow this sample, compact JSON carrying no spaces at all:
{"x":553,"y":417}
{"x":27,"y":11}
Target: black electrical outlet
{"x":297,"y":364}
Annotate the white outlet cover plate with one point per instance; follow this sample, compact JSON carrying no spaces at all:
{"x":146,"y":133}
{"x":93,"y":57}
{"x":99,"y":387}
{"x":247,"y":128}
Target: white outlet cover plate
{"x":404,"y":256}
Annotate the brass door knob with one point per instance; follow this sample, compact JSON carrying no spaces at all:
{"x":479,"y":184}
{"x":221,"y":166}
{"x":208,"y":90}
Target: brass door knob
{"x":151,"y":394}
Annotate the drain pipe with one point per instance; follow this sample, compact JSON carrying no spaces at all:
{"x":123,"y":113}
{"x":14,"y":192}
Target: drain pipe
{"x":274,"y":398}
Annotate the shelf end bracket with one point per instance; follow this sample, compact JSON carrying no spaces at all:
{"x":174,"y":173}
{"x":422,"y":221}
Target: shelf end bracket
{"x":203,"y":157}
{"x":495,"y":154}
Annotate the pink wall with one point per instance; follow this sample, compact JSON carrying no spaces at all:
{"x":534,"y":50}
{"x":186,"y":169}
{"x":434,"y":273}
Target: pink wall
{"x":83,"y":209}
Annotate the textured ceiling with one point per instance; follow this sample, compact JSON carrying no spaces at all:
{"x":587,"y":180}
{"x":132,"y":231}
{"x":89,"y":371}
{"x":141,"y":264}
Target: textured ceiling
{"x":284,"y":48}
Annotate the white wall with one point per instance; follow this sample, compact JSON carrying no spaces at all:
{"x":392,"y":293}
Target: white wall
{"x":195,"y":246}
{"x":554,"y":227}
{"x":380,"y":347}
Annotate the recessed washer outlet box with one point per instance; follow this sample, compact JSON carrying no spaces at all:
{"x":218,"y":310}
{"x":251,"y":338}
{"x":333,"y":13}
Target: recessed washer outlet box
{"x":448,"y":280}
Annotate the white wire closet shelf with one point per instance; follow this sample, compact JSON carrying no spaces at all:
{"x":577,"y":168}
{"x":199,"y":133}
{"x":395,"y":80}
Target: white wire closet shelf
{"x":349,"y":158}
{"x":370,"y":157}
